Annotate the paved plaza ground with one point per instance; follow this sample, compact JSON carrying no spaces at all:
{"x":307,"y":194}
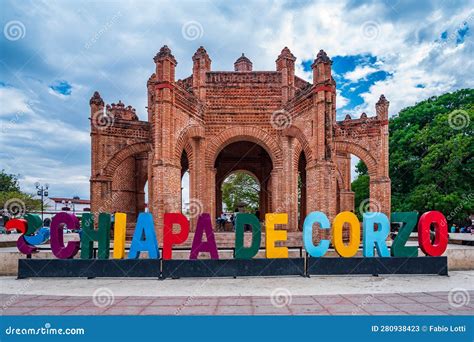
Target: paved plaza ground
{"x":355,"y":295}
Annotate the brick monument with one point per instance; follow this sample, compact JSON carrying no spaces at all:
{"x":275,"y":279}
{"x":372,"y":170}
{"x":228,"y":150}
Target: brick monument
{"x":271,"y":124}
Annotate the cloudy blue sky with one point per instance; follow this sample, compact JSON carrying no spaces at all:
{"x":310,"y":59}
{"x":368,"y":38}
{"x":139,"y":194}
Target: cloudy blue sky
{"x":54,"y":54}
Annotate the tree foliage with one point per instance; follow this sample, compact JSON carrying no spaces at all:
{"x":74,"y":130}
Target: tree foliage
{"x":240,"y":188}
{"x":12,"y":198}
{"x":431,"y":157}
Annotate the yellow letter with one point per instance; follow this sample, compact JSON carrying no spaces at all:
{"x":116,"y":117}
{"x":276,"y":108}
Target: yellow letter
{"x":273,"y":235}
{"x":120,"y":224}
{"x":354,"y":233}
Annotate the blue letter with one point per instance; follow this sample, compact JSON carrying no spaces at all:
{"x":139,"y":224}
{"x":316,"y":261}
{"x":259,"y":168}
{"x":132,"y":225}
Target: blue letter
{"x":322,"y":219}
{"x":378,"y":237}
{"x":144,"y":238}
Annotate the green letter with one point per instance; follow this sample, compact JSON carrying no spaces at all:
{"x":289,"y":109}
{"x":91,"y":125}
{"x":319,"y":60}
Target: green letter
{"x":89,"y":235}
{"x":241,"y":220}
{"x":408,"y":221}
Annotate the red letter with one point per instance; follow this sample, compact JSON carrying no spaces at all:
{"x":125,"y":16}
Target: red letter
{"x":441,"y":233}
{"x":170,"y":239}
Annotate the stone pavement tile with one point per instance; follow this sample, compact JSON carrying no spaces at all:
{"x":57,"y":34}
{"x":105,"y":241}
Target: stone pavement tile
{"x":336,"y":308}
{"x":235,"y":301}
{"x":429,"y":299}
{"x":378,"y":308}
{"x":69,"y":301}
{"x":85,"y":310}
{"x":262,"y":301}
{"x":439,"y":293}
{"x":351,"y":313}
{"x":306,"y":309}
{"x":316,"y":313}
{"x":363,"y":299}
{"x":427,"y":313}
{"x":303,"y":300}
{"x":447,"y":306}
{"x":136,"y":301}
{"x":37,"y":302}
{"x":332,"y":300}
{"x":123,"y":310}
{"x":388,"y":313}
{"x":11,"y":311}
{"x":160,"y":310}
{"x":408,"y":307}
{"x":234,"y":310}
{"x":398,"y":300}
{"x":168,"y":301}
{"x":454,"y":312}
{"x":197,"y":310}
{"x":50,"y":310}
{"x":271,"y":310}
{"x":202,"y":301}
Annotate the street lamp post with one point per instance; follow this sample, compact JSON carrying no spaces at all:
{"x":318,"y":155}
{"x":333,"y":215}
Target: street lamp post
{"x":42,"y":190}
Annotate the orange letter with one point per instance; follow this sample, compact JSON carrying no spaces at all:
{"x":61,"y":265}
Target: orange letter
{"x":273,"y":235}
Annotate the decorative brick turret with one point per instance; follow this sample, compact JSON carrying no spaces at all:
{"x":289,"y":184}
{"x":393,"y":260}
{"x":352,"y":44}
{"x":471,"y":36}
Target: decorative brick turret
{"x":165,"y":65}
{"x":285,"y":63}
{"x":321,"y":68}
{"x":243,"y":64}
{"x":381,"y":108}
{"x":201,"y":65}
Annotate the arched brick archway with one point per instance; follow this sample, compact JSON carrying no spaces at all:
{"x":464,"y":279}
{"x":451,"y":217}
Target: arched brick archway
{"x":360,"y":152}
{"x":208,"y":110}
{"x":243,"y":133}
{"x":123,"y":154}
{"x":379,"y":183}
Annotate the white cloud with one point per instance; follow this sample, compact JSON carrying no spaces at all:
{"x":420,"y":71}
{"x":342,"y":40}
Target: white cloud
{"x":13,"y":101}
{"x":359,"y":73}
{"x":113,"y":49}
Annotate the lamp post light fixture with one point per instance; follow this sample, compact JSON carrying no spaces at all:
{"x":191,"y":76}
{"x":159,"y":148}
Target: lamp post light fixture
{"x":42,"y":190}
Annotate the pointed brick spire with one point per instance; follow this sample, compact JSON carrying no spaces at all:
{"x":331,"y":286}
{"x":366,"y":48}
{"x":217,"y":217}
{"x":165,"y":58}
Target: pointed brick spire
{"x":96,"y":99}
{"x":243,"y":64}
{"x":165,"y":52}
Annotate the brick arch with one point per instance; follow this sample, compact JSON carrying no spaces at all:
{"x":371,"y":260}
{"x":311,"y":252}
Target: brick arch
{"x":243,"y":133}
{"x":123,"y":154}
{"x":303,"y":145}
{"x":359,"y":151}
{"x":247,"y":171}
{"x":183,"y":141}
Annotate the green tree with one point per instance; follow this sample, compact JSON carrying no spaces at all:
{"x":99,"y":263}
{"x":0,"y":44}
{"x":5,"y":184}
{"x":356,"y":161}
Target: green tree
{"x":431,"y":156}
{"x":239,"y":188}
{"x":13,"y":201}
